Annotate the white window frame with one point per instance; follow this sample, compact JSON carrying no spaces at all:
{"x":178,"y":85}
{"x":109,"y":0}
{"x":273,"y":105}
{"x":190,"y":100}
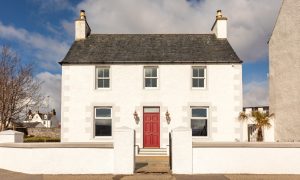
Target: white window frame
{"x":103,"y":78}
{"x":201,"y":118}
{"x":157,"y":77}
{"x":204,"y":78}
{"x":102,"y":118}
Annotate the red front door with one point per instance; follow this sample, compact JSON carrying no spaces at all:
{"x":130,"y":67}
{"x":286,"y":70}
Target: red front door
{"x":151,"y":130}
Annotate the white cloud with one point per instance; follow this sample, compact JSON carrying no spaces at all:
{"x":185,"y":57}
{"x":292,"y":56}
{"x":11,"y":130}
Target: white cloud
{"x":51,"y":86}
{"x":249,"y":22}
{"x":68,"y":27}
{"x":256,"y":94}
{"x":46,"y":49}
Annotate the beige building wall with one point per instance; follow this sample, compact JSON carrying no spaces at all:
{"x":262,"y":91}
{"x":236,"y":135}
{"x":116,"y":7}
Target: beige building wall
{"x":284,"y":49}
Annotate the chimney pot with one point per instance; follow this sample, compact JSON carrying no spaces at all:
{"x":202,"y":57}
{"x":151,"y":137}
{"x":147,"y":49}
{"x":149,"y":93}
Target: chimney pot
{"x":219,"y":13}
{"x":82,"y":14}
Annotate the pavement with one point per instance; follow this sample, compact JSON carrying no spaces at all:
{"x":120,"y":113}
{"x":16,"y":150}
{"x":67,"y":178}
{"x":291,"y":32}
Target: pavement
{"x":9,"y":175}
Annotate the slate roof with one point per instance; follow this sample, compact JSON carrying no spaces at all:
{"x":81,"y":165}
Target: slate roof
{"x":29,"y":124}
{"x":150,"y":49}
{"x":32,"y":124}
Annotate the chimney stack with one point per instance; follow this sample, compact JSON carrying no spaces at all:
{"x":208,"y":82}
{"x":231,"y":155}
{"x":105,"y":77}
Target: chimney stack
{"x":82,"y":28}
{"x":53,"y":112}
{"x":220,"y":26}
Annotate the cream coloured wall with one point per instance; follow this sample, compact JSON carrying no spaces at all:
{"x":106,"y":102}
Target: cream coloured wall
{"x":223,"y":96}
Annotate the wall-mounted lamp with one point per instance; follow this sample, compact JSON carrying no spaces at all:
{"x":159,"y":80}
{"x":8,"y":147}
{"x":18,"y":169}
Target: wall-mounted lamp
{"x":136,"y":117}
{"x":168,"y":118}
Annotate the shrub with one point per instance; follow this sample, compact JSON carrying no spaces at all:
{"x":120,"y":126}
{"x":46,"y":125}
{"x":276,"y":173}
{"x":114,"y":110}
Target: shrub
{"x":29,"y":139}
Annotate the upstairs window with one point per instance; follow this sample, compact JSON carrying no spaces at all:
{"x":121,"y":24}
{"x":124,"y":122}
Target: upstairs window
{"x":103,"y":121}
{"x":103,"y":77}
{"x":199,"y":77}
{"x":150,"y":77}
{"x":199,"y":120}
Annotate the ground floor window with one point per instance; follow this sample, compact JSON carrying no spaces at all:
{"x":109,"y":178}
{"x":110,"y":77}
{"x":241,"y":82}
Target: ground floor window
{"x":103,"y":121}
{"x":199,"y":119}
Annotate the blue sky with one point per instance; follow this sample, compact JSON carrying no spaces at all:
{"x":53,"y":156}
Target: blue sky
{"x":41,"y":31}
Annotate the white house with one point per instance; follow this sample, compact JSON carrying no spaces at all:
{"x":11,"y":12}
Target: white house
{"x":45,"y":119}
{"x":151,"y":83}
{"x":126,"y":91}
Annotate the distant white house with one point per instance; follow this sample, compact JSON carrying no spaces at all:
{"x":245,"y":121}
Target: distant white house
{"x":45,"y":119}
{"x":151,"y":83}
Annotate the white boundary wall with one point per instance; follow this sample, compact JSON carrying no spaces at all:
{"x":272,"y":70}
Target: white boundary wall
{"x":69,"y":158}
{"x":252,"y":160}
{"x":124,"y":151}
{"x":58,"y":160}
{"x":228,"y":157}
{"x":182,"y":154}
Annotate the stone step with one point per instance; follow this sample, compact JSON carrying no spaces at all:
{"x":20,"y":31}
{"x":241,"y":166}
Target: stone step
{"x":152,"y":152}
{"x":153,"y":149}
{"x":149,"y":176}
{"x":152,"y":159}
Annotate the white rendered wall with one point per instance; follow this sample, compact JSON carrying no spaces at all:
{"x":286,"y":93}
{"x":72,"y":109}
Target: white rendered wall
{"x":223,"y":96}
{"x":58,"y":160}
{"x":218,"y":160}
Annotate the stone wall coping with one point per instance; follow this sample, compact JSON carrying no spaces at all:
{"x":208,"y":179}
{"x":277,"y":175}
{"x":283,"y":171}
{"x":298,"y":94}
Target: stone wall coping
{"x":10,"y":132}
{"x":246,"y":144}
{"x":58,"y":145}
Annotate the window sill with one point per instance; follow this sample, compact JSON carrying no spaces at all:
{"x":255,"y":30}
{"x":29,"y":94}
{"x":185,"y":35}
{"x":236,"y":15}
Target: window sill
{"x":194,"y":88}
{"x":102,"y":139}
{"x":149,"y":88}
{"x":200,"y":138}
{"x":103,"y":89}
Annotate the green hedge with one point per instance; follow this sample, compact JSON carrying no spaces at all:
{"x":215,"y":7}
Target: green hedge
{"x":40,"y":139}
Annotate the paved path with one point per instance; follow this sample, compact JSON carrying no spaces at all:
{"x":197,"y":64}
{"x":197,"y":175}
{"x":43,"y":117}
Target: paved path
{"x":152,"y":164}
{"x":9,"y":175}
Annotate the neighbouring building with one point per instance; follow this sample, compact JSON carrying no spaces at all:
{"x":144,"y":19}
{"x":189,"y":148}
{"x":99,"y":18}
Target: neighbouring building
{"x":151,"y":83}
{"x":284,"y":73}
{"x":268,"y":133}
{"x":47,"y":120}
